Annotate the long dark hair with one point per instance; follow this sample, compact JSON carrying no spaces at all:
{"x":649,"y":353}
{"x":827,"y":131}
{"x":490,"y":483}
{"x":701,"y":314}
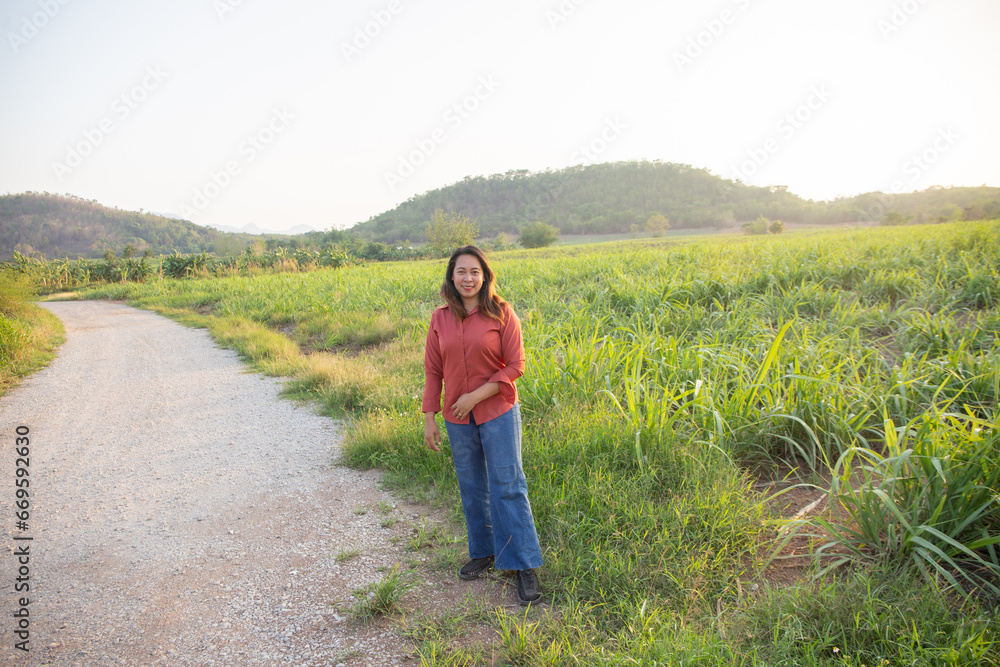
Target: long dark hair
{"x":490,"y":303}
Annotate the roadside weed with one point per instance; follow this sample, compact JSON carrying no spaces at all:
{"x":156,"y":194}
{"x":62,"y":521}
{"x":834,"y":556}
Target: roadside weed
{"x":382,"y":597}
{"x":429,"y":534}
{"x":345,"y":555}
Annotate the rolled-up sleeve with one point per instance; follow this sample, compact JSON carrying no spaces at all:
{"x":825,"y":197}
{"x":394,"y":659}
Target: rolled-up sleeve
{"x":512,"y":351}
{"x":433,"y":372}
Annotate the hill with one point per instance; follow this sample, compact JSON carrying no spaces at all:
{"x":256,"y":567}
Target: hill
{"x":600,"y":199}
{"x":610,"y":198}
{"x":61,"y":226}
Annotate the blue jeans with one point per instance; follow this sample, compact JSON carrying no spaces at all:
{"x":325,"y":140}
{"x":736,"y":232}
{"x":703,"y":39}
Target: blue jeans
{"x":494,"y":490}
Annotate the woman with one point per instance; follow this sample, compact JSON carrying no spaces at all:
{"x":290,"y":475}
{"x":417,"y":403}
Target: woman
{"x":474,"y":348}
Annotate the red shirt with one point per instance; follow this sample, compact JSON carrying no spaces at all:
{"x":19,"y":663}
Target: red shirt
{"x":465,"y":355}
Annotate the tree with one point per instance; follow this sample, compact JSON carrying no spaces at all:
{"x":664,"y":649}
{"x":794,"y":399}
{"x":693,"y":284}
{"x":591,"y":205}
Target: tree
{"x":759,"y":226}
{"x":657,"y":224}
{"x":447,"y":231}
{"x":538,"y":235}
{"x":895,"y":218}
{"x":502,"y":241}
{"x":776,"y":227}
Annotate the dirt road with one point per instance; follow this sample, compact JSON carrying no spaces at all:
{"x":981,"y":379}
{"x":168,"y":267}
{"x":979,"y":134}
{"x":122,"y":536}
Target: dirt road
{"x":183,"y":514}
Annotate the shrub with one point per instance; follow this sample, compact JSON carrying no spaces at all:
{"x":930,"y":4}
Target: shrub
{"x":538,"y":235}
{"x":657,"y":224}
{"x":758,"y":227}
{"x":448,"y":231}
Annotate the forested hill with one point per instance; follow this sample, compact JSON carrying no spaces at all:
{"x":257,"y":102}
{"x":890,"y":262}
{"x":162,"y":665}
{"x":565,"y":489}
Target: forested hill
{"x":607,"y":198}
{"x":67,"y":226}
{"x":611,"y":198}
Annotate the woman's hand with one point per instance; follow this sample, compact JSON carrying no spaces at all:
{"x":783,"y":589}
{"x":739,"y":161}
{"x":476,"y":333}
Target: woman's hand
{"x":432,"y":434}
{"x":463,"y":406}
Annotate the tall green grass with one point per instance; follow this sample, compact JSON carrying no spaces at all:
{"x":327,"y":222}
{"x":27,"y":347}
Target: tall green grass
{"x":666,"y":385}
{"x":29,"y":335}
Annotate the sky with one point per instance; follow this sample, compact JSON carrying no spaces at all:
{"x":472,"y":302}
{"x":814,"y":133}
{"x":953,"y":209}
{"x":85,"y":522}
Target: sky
{"x":324,"y":114}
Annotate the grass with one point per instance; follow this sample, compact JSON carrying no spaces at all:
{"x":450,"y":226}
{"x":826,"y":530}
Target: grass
{"x":429,"y":534}
{"x":345,"y":555}
{"x":29,"y":335}
{"x":387,"y":510}
{"x":664,"y":380}
{"x":380,"y":598}
{"x":928,"y":500}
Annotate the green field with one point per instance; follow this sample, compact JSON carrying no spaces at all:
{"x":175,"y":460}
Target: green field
{"x":672,"y":388}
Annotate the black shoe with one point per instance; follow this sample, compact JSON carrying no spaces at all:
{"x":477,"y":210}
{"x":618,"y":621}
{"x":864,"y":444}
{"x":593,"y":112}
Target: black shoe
{"x":475,"y":567}
{"x":528,"y":588}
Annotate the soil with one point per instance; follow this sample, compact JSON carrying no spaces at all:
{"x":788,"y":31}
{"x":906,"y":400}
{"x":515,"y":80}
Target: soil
{"x":796,"y":501}
{"x":183,"y":514}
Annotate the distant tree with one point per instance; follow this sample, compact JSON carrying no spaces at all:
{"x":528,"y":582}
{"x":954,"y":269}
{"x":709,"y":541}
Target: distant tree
{"x":229,"y":244}
{"x":503,"y":241}
{"x":950,"y":213}
{"x":982,"y":209}
{"x":776,"y":227}
{"x":129,"y":251}
{"x":538,"y":235}
{"x":448,"y":231}
{"x":657,"y":224}
{"x":255,"y":248}
{"x":376,"y":250}
{"x":758,"y":227}
{"x":892,"y":218}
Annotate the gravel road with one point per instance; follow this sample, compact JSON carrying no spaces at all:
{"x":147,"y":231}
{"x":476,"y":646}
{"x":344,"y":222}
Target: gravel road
{"x":183,"y":514}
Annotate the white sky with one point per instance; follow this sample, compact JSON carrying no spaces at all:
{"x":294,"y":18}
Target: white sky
{"x":903,"y":93}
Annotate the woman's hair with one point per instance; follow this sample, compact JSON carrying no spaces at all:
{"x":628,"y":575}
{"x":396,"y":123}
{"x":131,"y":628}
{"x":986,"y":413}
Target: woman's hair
{"x":490,"y":303}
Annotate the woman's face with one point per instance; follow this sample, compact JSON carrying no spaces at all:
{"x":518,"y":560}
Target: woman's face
{"x":468,"y":276}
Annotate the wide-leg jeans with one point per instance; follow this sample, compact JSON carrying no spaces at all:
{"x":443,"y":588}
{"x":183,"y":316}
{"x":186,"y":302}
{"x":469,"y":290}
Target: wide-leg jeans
{"x":494,"y":491}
